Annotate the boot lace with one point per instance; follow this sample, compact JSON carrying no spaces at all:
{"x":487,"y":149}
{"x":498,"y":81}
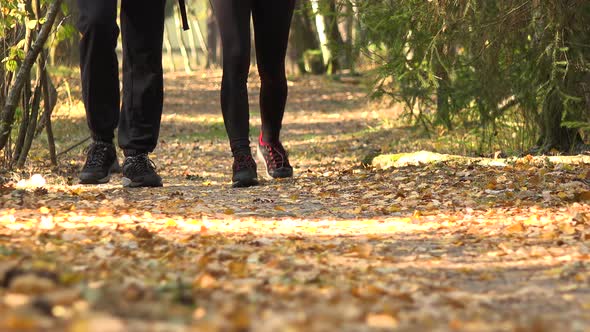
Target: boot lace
{"x":97,"y":154}
{"x":243,"y":161}
{"x":140,"y":164}
{"x":277,"y":156}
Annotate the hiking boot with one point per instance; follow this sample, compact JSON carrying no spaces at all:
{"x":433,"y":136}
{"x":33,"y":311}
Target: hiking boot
{"x":244,"y":171}
{"x":275,"y":158}
{"x":140,"y":171}
{"x":101,"y":162}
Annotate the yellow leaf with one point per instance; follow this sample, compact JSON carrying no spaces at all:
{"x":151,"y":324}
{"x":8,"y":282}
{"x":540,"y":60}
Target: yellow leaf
{"x":229,"y":211}
{"x":554,"y":272}
{"x":367,"y":292}
{"x":533,"y":220}
{"x":76,"y":191}
{"x":44,"y":210}
{"x":382,"y":321}
{"x":486,"y":276}
{"x":18,"y":322}
{"x":238,"y":269}
{"x":516,"y":228}
{"x":584,"y":196}
{"x":393,"y":209}
{"x":550,"y":235}
{"x":32,"y":284}
{"x":363,"y":250}
{"x":240,"y":319}
{"x":205,"y":281}
{"x":568,"y":229}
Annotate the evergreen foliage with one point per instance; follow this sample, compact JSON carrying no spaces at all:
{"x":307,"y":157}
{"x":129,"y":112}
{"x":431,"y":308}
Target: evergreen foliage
{"x":483,"y":64}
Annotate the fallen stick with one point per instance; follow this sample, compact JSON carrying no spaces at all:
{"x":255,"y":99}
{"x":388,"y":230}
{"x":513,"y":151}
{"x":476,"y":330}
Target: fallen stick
{"x":74,"y":146}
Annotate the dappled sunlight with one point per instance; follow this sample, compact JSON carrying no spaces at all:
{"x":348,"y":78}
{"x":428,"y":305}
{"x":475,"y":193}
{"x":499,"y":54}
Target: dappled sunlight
{"x":422,"y":237}
{"x":445,"y":261}
{"x":181,"y":119}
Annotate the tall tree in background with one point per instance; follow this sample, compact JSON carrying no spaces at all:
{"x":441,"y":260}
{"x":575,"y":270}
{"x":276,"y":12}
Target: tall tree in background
{"x":326,"y":18}
{"x":212,"y":39}
{"x":303,"y":35}
{"x":335,"y":40}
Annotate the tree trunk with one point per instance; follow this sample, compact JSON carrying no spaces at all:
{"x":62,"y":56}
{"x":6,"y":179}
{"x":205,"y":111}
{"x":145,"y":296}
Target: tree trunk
{"x":443,"y":91}
{"x":322,"y":32}
{"x":303,"y":36}
{"x":26,"y":101}
{"x":335,"y":39}
{"x":49,"y":101}
{"x":192,"y":42}
{"x":349,"y":31}
{"x":168,"y":47}
{"x":554,"y":136}
{"x":33,"y":117}
{"x":201,"y":39}
{"x":181,"y":45}
{"x":325,"y":12}
{"x":212,"y":39}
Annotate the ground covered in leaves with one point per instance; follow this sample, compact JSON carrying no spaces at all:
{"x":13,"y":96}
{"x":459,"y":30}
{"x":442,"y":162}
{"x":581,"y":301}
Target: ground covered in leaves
{"x":455,"y":245}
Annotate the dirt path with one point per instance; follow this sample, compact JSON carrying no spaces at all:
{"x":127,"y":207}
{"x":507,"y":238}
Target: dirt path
{"x":445,"y":247}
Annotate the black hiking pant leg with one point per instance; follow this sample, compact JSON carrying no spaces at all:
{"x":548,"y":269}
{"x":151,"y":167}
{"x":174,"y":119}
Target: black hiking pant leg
{"x":99,"y":66}
{"x":142,"y":27}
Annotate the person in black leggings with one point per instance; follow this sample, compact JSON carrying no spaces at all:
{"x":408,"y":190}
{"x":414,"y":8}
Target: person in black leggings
{"x":272,"y":22}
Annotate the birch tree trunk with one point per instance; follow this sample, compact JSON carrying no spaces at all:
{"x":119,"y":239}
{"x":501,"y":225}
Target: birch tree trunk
{"x":322,"y":32}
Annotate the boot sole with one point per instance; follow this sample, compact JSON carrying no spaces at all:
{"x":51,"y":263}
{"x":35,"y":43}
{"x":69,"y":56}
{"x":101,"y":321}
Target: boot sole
{"x":96,"y":181}
{"x":106,"y":179}
{"x":150,"y":183}
{"x":245,"y":183}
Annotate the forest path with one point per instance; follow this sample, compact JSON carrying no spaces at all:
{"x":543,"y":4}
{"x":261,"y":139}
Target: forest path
{"x":341,"y":247}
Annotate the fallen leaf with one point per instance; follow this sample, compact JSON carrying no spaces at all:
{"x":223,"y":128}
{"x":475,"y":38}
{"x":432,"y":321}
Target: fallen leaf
{"x":382,"y":321}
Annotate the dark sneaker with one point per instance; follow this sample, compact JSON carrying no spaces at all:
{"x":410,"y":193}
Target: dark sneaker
{"x":101,"y":162}
{"x":275,"y":158}
{"x":140,"y":171}
{"x":244,"y":171}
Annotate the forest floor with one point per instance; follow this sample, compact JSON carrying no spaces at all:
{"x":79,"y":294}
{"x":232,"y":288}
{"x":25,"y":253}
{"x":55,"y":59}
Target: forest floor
{"x":446,"y":246}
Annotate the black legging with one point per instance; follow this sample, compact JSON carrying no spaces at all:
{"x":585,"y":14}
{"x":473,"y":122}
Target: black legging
{"x":272,"y":21}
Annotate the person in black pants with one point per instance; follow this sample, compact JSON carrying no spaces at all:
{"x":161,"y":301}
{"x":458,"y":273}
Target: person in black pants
{"x":272,"y":22}
{"x":142,"y":27}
